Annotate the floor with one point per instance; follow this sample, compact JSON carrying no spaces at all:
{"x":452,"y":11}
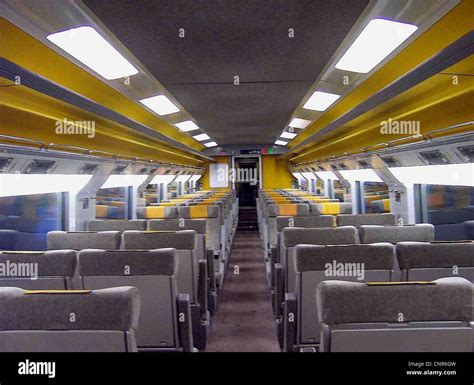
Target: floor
{"x":244,"y":321}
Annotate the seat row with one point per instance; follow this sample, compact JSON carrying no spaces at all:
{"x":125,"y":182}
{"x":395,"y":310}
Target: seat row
{"x":164,"y":266}
{"x":310,"y":265}
{"x":322,"y":266}
{"x":219,"y":209}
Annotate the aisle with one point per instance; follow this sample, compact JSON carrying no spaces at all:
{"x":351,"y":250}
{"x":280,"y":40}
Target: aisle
{"x":245,"y":322}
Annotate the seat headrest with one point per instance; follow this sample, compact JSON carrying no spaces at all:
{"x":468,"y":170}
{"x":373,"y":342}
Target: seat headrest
{"x":358,"y":220}
{"x":201,"y":211}
{"x":149,"y":240}
{"x":127,"y":262}
{"x":292,"y":236}
{"x":376,"y":256}
{"x":292,"y":210}
{"x":313,"y":221}
{"x":393,"y":234}
{"x":54,"y":263}
{"x":412,"y":255}
{"x":61,"y":240}
{"x":331,"y":208}
{"x":446,"y":299}
{"x":115,"y":308}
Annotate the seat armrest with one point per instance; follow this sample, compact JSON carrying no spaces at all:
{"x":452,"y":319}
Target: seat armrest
{"x":185,"y":329}
{"x":273,"y":261}
{"x":279,"y":288}
{"x":203,"y":285}
{"x":289,"y":322}
{"x":210,"y":270}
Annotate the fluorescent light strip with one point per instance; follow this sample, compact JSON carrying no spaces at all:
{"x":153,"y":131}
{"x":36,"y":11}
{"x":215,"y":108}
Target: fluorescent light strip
{"x":90,"y":48}
{"x":446,"y":174}
{"x":320,"y":101}
{"x":362,"y":175}
{"x":326,"y":175}
{"x":288,"y":135}
{"x":378,"y":39}
{"x":165,"y":179}
{"x":299,"y":123}
{"x":160,"y":104}
{"x":29,"y":184}
{"x":114,"y":181}
{"x":201,"y":137}
{"x":210,"y":144}
{"x":187,"y":125}
{"x":281,"y":142}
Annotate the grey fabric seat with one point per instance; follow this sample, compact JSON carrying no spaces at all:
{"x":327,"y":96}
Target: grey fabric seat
{"x":395,"y":317}
{"x":277,"y":210}
{"x":317,"y":263}
{"x":38,"y":270}
{"x":191,"y":275}
{"x":199,"y":226}
{"x":358,"y":220}
{"x":214,"y":234}
{"x":285,"y":272}
{"x":78,"y":240}
{"x":116,"y":225}
{"x":393,"y":234}
{"x":69,"y":321}
{"x":153,"y":273}
{"x":429,"y":261}
{"x":285,"y":221}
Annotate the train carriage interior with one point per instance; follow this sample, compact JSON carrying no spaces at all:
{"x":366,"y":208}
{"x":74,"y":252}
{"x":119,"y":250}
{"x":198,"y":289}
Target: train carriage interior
{"x":236,"y":176}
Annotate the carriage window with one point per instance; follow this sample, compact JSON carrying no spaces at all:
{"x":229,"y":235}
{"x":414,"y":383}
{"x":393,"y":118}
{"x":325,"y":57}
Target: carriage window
{"x":31,"y":217}
{"x":376,"y":197}
{"x":342,"y":192}
{"x":448,"y":208}
{"x":150,"y":195}
{"x":111,"y":203}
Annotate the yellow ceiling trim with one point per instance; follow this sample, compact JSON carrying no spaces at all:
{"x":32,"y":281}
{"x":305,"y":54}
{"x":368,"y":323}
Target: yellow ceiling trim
{"x":24,"y":50}
{"x":29,"y":114}
{"x":451,"y":27}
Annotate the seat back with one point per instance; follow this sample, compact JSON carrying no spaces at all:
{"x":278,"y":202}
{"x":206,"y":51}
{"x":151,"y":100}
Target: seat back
{"x":393,"y":234}
{"x":395,"y":317}
{"x":212,"y":216}
{"x":317,"y":263}
{"x":185,"y":244}
{"x":38,"y":270}
{"x":198,"y":225}
{"x":78,"y":240}
{"x":293,"y":236}
{"x":286,"y":210}
{"x":153,"y":273}
{"x":69,"y":321}
{"x":429,"y":261}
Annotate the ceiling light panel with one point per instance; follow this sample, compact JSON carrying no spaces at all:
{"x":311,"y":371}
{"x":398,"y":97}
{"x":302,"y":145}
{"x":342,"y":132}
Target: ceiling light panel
{"x":299,"y":123}
{"x":210,"y":144}
{"x":90,"y":48}
{"x":378,"y":39}
{"x":281,"y":143}
{"x":320,"y":101}
{"x":201,"y":137}
{"x":288,"y":135}
{"x":187,"y":126}
{"x":160,"y":104}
